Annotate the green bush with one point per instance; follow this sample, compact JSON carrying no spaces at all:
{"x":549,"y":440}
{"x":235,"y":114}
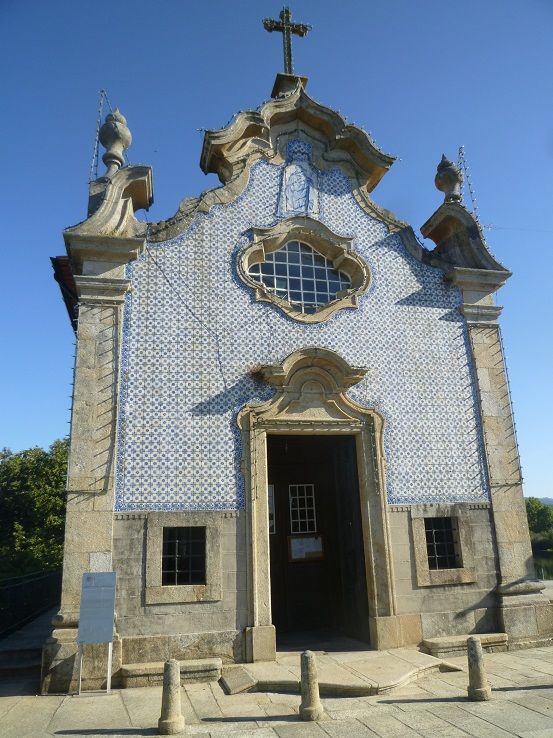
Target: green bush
{"x":540,"y":522}
{"x":32,"y":508}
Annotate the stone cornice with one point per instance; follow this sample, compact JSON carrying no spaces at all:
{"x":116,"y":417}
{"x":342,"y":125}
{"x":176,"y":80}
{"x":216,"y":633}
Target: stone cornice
{"x":480,"y":314}
{"x":109,"y":249}
{"x":224,"y":150}
{"x":481,"y":280}
{"x":94,"y":291}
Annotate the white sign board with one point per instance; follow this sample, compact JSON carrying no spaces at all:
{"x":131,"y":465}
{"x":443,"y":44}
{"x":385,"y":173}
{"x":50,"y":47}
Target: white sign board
{"x":97,"y":607}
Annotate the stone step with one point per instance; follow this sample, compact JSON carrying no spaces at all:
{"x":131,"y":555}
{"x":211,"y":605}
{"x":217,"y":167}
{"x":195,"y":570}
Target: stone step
{"x":151,"y":673}
{"x":355,"y":674}
{"x":457,"y":645}
{"x":17,"y":662}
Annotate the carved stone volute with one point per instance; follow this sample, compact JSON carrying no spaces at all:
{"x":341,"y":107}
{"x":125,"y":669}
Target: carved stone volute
{"x":468,"y":264}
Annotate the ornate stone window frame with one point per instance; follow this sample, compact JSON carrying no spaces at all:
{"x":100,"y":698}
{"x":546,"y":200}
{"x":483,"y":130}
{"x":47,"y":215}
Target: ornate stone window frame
{"x":337,"y":249}
{"x":460,"y":514}
{"x":212,"y":590}
{"x":311,"y":398}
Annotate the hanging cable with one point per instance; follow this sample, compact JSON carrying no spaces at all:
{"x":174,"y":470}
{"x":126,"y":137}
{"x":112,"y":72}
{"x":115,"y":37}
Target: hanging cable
{"x":462,"y":162}
{"x":103,"y":99}
{"x":93,"y":174}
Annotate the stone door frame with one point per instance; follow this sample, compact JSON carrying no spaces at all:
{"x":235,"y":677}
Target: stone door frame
{"x":311,"y":400}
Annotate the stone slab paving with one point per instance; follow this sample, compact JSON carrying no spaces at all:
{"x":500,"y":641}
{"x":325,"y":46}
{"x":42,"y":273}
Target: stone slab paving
{"x":342,"y":672}
{"x":435,"y":705}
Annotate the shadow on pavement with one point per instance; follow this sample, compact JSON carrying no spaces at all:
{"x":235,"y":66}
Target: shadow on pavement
{"x":254,"y":719}
{"x":18,"y":687}
{"x":109,"y":731}
{"x":527,"y":688}
{"x":422,"y":699}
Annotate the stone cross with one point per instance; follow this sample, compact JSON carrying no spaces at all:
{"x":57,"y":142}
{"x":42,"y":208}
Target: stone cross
{"x":287,"y":28}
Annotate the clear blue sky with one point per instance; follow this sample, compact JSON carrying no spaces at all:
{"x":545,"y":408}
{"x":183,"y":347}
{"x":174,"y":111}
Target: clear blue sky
{"x":424,"y":77}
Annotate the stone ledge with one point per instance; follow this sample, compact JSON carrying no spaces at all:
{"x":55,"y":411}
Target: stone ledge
{"x":340,"y":674}
{"x":151,"y":673}
{"x":457,"y":645}
{"x":532,"y":642}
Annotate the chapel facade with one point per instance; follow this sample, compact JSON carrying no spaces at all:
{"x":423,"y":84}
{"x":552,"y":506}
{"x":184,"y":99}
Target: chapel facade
{"x":288,"y":415}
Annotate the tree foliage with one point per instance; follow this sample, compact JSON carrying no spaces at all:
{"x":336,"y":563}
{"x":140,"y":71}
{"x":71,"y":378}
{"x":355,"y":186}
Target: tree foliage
{"x":32,"y":508}
{"x":540,"y":522}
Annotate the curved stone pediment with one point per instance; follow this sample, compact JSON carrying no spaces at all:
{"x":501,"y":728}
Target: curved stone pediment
{"x":258,"y":133}
{"x":311,"y":384}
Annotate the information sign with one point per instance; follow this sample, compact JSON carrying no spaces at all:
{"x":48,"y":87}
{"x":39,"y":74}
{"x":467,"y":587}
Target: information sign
{"x":97,"y":607}
{"x":96,"y":616}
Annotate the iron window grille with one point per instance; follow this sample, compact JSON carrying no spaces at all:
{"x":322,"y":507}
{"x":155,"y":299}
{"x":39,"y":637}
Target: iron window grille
{"x":183,"y":557}
{"x":300,"y":275}
{"x":302,"y":508}
{"x":442,"y":543}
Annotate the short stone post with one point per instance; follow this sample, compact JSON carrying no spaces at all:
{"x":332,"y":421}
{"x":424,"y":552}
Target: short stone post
{"x":171,"y":721}
{"x":310,"y":706}
{"x":478,"y":689}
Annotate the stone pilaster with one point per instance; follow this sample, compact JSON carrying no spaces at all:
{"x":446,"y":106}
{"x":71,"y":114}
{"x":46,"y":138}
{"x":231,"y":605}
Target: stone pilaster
{"x":90,"y":481}
{"x":98,"y":250}
{"x":521,"y":602}
{"x":525,"y":614}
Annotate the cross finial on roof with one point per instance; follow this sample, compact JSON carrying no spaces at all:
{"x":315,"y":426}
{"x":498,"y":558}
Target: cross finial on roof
{"x":287,"y":28}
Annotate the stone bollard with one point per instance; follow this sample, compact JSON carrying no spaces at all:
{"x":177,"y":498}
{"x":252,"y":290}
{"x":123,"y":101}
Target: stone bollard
{"x":310,"y":706}
{"x":171,"y":721}
{"x":478,"y":689}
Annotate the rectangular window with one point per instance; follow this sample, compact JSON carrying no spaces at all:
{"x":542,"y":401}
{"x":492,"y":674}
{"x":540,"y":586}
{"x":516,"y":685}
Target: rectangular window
{"x":442,"y":545}
{"x":183,"y":556}
{"x":302,"y":508}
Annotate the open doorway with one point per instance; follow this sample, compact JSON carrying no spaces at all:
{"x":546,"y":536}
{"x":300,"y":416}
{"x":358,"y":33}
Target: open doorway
{"x":318,"y":574}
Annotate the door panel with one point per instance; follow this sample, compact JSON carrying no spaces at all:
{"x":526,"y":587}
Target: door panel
{"x":327,"y":589}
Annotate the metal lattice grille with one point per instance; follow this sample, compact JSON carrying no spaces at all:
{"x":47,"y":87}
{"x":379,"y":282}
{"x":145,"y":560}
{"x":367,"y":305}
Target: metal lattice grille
{"x":298,"y":274}
{"x":302,"y":508}
{"x":441,"y":543}
{"x":183,"y":558}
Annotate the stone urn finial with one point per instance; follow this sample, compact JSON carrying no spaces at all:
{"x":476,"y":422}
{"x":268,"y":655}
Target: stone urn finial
{"x":449,"y":179}
{"x":115,"y":137}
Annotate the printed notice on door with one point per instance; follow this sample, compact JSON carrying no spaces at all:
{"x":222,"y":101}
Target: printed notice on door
{"x":305,"y":548}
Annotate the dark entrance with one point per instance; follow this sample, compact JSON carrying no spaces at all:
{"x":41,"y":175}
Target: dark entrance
{"x":318,"y":579}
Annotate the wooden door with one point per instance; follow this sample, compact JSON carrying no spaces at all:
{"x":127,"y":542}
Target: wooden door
{"x":317,"y":562}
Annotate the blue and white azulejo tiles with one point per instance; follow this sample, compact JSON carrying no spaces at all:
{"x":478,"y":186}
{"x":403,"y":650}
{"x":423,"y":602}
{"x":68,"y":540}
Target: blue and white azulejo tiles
{"x":192,"y":330}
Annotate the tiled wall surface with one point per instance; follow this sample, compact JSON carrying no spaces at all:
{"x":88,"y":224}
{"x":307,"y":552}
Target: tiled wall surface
{"x":192,"y":331}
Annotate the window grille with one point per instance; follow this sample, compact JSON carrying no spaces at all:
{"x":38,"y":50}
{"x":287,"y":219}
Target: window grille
{"x":183,"y":557}
{"x":300,"y":275}
{"x":441,"y":543}
{"x":302,"y":508}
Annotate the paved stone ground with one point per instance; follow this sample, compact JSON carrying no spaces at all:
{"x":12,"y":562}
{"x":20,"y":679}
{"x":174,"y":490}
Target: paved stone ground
{"x":522,"y":684}
{"x":344,"y":666}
